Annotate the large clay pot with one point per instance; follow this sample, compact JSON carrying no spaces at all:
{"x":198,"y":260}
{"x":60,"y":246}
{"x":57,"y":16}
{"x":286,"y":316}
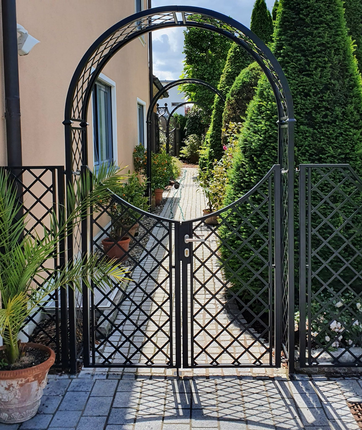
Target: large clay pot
{"x":116,"y":250}
{"x":158,"y":196}
{"x":211,"y":220}
{"x":21,"y":390}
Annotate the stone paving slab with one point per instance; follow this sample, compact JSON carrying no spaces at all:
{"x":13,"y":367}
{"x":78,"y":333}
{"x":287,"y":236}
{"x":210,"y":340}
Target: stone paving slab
{"x":233,"y":402}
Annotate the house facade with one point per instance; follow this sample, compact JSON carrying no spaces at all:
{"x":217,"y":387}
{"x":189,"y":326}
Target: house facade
{"x":66,"y":29}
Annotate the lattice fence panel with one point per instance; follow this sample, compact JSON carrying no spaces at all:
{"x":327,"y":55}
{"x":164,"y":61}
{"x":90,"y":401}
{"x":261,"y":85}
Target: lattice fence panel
{"x":331,"y":266}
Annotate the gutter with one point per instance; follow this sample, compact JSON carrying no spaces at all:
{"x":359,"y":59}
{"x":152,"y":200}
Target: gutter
{"x":11,"y":78}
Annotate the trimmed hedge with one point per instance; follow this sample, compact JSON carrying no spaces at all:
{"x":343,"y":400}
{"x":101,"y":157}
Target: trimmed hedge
{"x":240,"y":95}
{"x":312,"y":45}
{"x":237,"y":60}
{"x":353,"y":14}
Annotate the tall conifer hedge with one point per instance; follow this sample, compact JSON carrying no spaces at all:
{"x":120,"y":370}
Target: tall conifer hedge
{"x":237,"y":60}
{"x":353,"y":14}
{"x":312,"y":45}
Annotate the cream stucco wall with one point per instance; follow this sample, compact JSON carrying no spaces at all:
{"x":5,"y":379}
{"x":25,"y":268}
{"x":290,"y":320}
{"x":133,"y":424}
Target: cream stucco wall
{"x":66,"y":29}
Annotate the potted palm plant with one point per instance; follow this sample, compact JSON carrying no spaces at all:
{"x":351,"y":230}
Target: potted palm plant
{"x":22,"y":260}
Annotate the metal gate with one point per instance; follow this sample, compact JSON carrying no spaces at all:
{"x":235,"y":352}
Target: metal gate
{"x":200,"y":295}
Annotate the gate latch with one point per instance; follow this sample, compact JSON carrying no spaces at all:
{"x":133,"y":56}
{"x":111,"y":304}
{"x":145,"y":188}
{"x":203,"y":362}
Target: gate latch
{"x":196,"y":239}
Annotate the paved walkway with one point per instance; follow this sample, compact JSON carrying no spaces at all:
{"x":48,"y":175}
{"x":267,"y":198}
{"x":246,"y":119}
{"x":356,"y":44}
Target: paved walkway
{"x":220,"y":334}
{"x":223,"y":399}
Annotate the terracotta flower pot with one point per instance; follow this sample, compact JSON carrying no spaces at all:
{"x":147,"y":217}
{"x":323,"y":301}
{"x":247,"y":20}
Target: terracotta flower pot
{"x":158,"y":196}
{"x":211,"y":220}
{"x":116,"y":249}
{"x":21,"y":390}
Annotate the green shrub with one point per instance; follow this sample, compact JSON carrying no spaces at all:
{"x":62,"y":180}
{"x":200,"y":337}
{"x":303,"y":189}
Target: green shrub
{"x":240,"y":95}
{"x":236,"y":61}
{"x":162,"y":170}
{"x":195,"y":122}
{"x":219,"y":175}
{"x":191,"y":148}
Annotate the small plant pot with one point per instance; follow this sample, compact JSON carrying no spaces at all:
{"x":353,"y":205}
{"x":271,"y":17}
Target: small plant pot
{"x":21,"y":390}
{"x":158,"y":196}
{"x":115,"y":249}
{"x":211,"y":220}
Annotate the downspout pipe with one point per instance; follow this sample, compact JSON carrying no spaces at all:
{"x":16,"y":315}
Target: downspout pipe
{"x":11,"y":78}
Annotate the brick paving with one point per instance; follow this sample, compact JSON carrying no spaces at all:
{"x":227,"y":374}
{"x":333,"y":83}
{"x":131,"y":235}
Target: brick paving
{"x":112,"y":401}
{"x":200,"y":399}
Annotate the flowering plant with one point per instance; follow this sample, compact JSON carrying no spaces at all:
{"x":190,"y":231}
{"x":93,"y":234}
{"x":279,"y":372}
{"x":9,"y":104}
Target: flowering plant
{"x":214,"y":182}
{"x":140,"y":159}
{"x":336,"y":320}
{"x":161,"y":170}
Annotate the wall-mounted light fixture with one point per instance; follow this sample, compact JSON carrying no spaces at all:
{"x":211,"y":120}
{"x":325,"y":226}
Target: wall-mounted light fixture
{"x":25,"y":42}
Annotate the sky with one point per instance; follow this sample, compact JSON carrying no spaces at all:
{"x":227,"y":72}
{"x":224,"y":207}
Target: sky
{"x":168,"y":44}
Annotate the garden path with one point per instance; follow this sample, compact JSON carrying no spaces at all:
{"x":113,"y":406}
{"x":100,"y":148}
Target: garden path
{"x":219,"y":333}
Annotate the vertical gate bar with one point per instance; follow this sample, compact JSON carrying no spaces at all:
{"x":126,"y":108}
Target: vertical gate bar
{"x":271,"y":266}
{"x":309,"y":263}
{"x":85,"y":291}
{"x":62,"y":257}
{"x":53,"y":188}
{"x":185,"y":322}
{"x":92,"y":339}
{"x":291,"y":286}
{"x":191,"y":301}
{"x":185,"y":229}
{"x":170,"y":275}
{"x":178,"y":295}
{"x":278,"y":269}
{"x":302,"y":265}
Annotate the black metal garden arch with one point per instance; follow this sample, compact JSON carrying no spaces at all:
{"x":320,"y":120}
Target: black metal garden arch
{"x":152,"y":105}
{"x":120,"y":34}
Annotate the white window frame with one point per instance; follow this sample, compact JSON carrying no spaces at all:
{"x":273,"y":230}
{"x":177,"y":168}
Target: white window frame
{"x":141,"y":38}
{"x":110,"y":83}
{"x":141,"y":102}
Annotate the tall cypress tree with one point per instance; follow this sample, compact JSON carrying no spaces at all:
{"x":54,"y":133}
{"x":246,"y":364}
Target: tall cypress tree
{"x":312,"y":45}
{"x":205,"y":57}
{"x":261,"y":21}
{"x":275,"y":10}
{"x":353,"y":14}
{"x":237,"y":60}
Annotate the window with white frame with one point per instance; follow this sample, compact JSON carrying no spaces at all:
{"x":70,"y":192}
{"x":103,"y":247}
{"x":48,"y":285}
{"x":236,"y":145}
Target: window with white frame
{"x":139,"y":6}
{"x":103,"y":133}
{"x":141,"y":122}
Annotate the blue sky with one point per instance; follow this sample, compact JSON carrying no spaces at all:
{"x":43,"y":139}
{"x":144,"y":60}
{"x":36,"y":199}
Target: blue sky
{"x":168,"y":44}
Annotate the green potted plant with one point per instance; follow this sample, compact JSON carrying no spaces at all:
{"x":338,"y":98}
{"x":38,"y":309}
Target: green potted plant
{"x":204,"y":179}
{"x":140,"y":159}
{"x":22,"y":260}
{"x":161,"y":173}
{"x":124,"y":220}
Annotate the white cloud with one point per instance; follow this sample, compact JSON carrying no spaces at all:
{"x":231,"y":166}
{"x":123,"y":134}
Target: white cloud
{"x":168,"y":43}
